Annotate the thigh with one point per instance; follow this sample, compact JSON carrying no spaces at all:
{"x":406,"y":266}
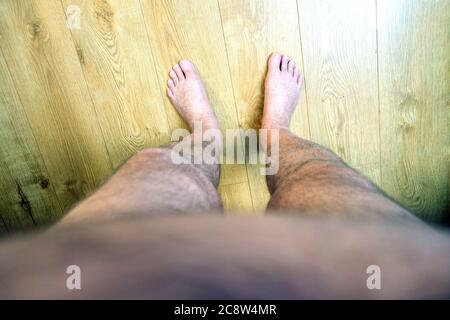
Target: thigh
{"x":216,"y":257}
{"x":149,"y":183}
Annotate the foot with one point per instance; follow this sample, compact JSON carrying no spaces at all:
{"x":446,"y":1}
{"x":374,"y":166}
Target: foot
{"x":282,"y":90}
{"x":188,"y":95}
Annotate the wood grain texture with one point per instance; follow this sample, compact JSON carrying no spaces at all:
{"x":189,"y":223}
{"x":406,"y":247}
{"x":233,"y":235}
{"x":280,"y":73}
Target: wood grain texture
{"x":118,"y":65}
{"x":44,"y":67}
{"x":253,"y":30}
{"x":339,"y":49}
{"x":192,"y":30}
{"x":414,"y":50}
{"x":3,"y":228}
{"x":26,"y":196}
{"x":237,"y":198}
{"x":74,"y":104}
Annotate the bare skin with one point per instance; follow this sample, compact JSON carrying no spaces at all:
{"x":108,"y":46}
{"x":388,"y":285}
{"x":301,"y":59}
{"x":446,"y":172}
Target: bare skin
{"x":187,"y":93}
{"x":326,"y":181}
{"x":149,"y":183}
{"x":282,"y":90}
{"x":331,"y":223}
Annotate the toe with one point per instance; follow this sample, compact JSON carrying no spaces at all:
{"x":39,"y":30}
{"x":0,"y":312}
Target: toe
{"x":171,"y":84}
{"x":299,"y":80}
{"x":295,"y":72}
{"x":284,"y":63}
{"x":291,"y":66}
{"x":178,"y":71}
{"x":173,"y":76}
{"x":274,"y":62}
{"x":187,"y":67}
{"x":170,"y":94}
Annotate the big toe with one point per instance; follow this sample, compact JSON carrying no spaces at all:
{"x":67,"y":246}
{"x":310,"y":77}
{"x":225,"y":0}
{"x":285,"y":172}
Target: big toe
{"x":188,"y":67}
{"x":274,"y":62}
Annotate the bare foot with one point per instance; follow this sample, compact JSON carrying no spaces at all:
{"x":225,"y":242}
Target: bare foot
{"x":282,"y":89}
{"x":186,"y":92}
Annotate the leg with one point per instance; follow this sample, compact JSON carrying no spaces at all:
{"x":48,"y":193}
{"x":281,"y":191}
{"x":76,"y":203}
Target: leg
{"x":311,"y":178}
{"x":150,"y":182}
{"x":213,"y":257}
{"x":283,"y":258}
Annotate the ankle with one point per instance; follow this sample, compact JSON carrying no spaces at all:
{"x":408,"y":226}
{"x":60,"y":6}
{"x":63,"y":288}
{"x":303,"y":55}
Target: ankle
{"x":270,"y":124}
{"x":211,"y":124}
{"x":204,"y":124}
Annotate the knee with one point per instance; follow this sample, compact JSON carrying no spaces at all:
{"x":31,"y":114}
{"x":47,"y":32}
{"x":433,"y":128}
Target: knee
{"x":150,"y":154}
{"x":146,"y":158}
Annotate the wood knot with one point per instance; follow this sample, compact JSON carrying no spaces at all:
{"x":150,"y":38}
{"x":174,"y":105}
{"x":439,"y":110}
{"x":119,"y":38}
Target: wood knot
{"x":24,"y":202}
{"x":80,"y":54}
{"x":104,"y":13}
{"x":34,"y":28}
{"x":37,"y":32}
{"x":44,"y":183}
{"x":70,"y":184}
{"x":408,"y":108}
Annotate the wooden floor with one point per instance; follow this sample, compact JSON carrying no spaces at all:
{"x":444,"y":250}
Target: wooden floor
{"x":76,"y":103}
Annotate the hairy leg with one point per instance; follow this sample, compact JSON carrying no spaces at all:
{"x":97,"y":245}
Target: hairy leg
{"x":150,"y":182}
{"x":311,"y":178}
{"x":207,"y":256}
